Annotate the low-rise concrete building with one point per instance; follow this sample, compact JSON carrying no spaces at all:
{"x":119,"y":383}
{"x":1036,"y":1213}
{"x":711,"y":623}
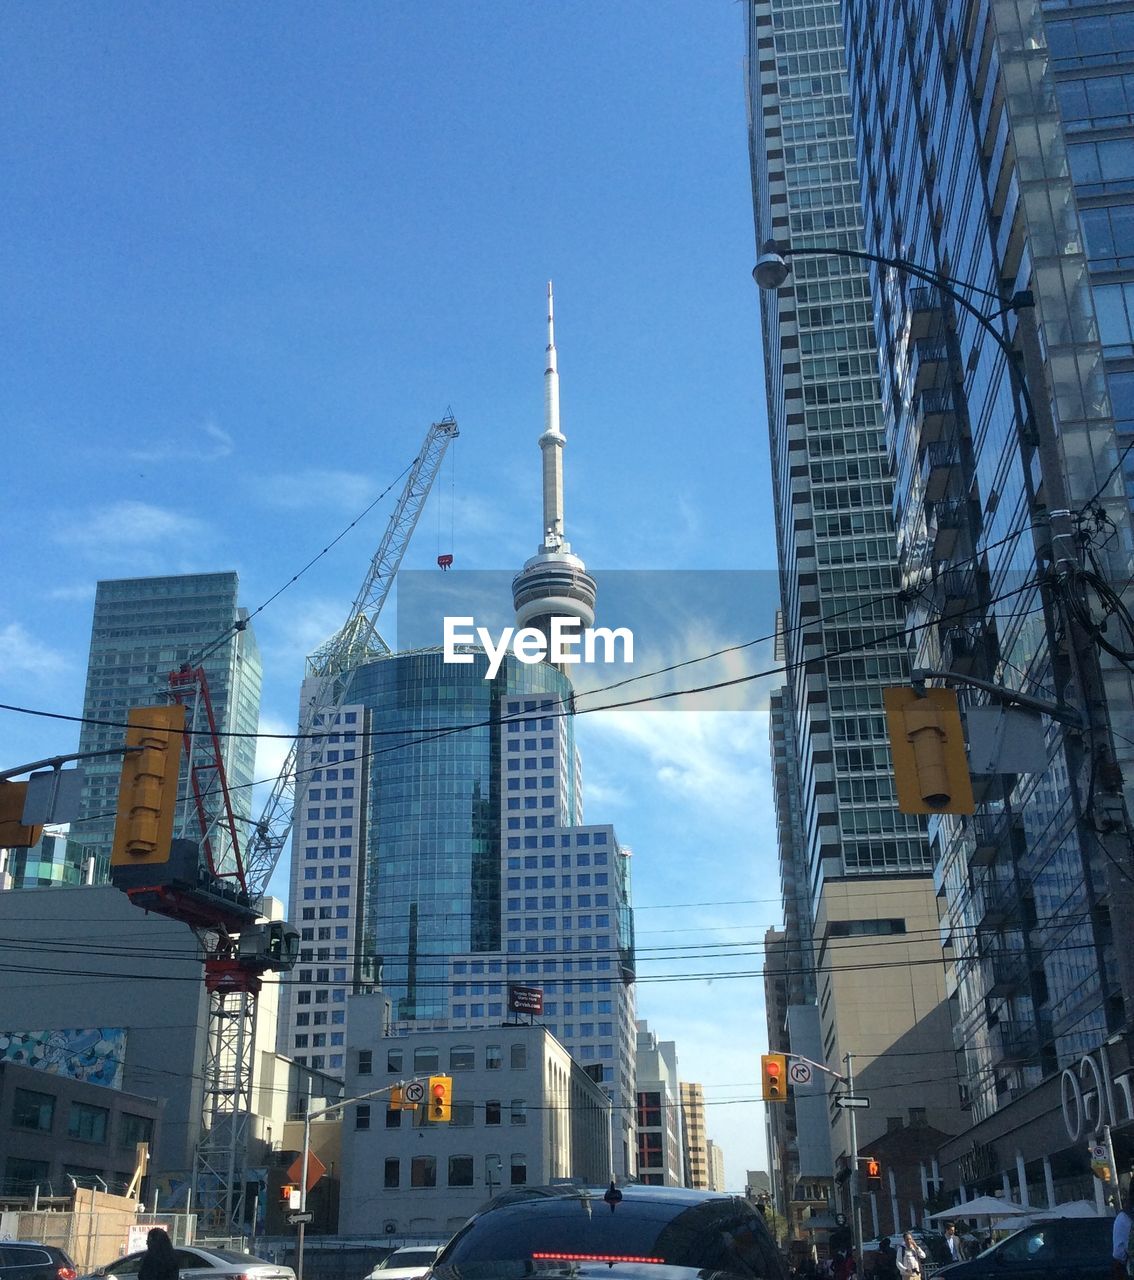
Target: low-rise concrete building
{"x":102,"y":992}
{"x":523,"y":1113}
{"x":57,"y":1133}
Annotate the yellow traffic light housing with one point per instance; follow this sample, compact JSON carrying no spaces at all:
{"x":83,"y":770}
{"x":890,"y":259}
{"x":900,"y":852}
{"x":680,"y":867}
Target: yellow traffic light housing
{"x":13,"y":833}
{"x":440,"y":1099}
{"x":147,"y":790}
{"x":773,"y":1077}
{"x":931,"y":770}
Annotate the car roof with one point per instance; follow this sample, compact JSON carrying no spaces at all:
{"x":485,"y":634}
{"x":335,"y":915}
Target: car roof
{"x":632,"y":1191}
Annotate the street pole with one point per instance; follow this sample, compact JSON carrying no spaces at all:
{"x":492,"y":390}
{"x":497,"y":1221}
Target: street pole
{"x":303,"y":1183}
{"x":856,"y":1221}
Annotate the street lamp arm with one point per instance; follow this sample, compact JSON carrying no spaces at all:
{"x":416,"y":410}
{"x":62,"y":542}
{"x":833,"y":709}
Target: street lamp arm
{"x":346,"y":1102}
{"x":1059,"y":711}
{"x":772,"y":268}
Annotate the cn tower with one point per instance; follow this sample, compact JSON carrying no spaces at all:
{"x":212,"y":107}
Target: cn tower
{"x":554,"y":583}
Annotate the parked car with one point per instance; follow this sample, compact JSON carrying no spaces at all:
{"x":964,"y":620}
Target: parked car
{"x":1048,"y":1249}
{"x":26,"y":1260}
{"x":611,"y":1234}
{"x":200,"y":1264}
{"x":411,"y":1262}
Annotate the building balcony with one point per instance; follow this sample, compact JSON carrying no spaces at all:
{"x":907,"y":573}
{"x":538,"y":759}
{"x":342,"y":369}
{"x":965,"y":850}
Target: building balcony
{"x":940,"y":465}
{"x":931,"y":356}
{"x":1013,"y":1043}
{"x":950,"y":518}
{"x":1005,"y":973}
{"x":962,"y":649}
{"x":956,"y":590}
{"x":1001,"y":904}
{"x":936,"y":416}
{"x":926,"y":314}
{"x":990,"y":832}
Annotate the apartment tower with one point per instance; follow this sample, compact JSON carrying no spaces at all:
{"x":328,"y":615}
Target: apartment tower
{"x":856,"y":873}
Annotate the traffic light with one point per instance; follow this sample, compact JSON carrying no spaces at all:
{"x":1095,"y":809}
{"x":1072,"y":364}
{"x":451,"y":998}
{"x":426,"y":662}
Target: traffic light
{"x":873,"y":1170}
{"x":13,"y":833}
{"x":773,"y":1077}
{"x":147,"y":790}
{"x":286,"y":1192}
{"x":931,"y":770}
{"x":440,"y":1099}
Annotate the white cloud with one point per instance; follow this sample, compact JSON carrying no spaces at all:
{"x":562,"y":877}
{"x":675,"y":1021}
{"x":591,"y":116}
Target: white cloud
{"x":207,"y":442}
{"x":711,"y":758}
{"x":23,"y":654}
{"x":80,"y":591}
{"x":125,"y":524}
{"x":319,"y":487}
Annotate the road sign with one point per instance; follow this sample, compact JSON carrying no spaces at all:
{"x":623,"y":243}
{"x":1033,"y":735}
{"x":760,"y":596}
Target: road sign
{"x":296,"y":1218}
{"x":414,"y":1092}
{"x":799,"y":1073}
{"x":845,"y":1100}
{"x":315,"y":1169}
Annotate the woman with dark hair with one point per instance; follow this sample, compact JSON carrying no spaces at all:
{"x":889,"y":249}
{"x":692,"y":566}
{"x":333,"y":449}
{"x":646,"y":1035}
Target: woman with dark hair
{"x":159,"y":1262}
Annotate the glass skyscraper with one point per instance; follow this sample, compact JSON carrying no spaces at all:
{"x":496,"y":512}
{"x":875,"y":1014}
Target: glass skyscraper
{"x":143,"y":628}
{"x":990,"y":137}
{"x":855,"y":873}
{"x":440,"y":854}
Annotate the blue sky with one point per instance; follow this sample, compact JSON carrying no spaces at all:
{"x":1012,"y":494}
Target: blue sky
{"x":251,"y":251}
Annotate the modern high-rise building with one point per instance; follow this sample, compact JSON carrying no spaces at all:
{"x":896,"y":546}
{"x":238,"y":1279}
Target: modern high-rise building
{"x":144,"y":628}
{"x":659,"y":1110}
{"x":996,"y":148}
{"x":855,"y":873}
{"x":446,"y":866}
{"x":714,"y":1154}
{"x":693,"y":1136}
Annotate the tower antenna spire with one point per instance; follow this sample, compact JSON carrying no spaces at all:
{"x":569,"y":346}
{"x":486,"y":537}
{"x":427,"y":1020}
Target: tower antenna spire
{"x":554,"y":582}
{"x":551,"y":442}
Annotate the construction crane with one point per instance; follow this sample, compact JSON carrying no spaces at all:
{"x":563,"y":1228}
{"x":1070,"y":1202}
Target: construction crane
{"x":217,"y":888}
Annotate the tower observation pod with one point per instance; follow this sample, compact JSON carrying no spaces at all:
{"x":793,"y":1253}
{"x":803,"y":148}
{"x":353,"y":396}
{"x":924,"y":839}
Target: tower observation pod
{"x":554,"y":583}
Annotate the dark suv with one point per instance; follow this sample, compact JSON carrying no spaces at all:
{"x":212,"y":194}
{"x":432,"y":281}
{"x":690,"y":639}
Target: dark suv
{"x":628,"y":1233}
{"x":25,"y":1260}
{"x":1049,"y":1249}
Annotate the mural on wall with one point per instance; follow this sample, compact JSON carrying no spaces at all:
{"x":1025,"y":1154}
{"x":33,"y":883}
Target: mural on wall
{"x":95,"y":1055}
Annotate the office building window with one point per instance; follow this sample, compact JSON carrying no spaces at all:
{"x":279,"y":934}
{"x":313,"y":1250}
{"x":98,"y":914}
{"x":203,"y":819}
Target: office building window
{"x":32,"y":1110}
{"x":87,"y":1123}
{"x":423,"y":1171}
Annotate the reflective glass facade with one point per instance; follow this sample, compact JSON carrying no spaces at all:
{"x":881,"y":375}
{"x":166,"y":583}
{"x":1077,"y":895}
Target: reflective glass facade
{"x":143,"y":628}
{"x":452,"y":860}
{"x":966,"y":169}
{"x":841,"y":840}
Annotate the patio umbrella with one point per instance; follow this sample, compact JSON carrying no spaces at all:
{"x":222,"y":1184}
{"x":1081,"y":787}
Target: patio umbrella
{"x":982,"y":1207}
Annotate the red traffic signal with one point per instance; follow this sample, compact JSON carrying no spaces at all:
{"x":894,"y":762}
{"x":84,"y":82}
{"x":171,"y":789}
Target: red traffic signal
{"x":773,"y":1077}
{"x":440,"y":1099}
{"x":873,"y":1169}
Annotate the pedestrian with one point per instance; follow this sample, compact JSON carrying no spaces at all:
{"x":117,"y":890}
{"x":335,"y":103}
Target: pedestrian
{"x":158,"y":1262}
{"x":886,"y":1262}
{"x":910,"y":1257}
{"x":953,"y":1242}
{"x":1123,"y":1262}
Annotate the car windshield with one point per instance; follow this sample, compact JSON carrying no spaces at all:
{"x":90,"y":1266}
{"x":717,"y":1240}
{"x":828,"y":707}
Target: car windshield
{"x":408,"y":1258}
{"x":541,"y":1236}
